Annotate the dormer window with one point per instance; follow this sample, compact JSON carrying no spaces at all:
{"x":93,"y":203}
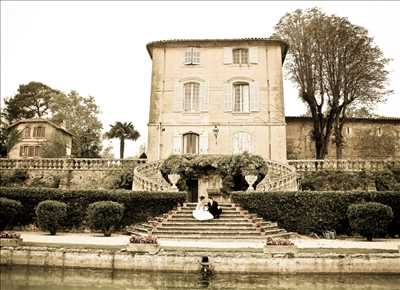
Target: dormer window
{"x":27,"y":132}
{"x":39,"y":132}
{"x":192,"y":55}
{"x":240,"y":56}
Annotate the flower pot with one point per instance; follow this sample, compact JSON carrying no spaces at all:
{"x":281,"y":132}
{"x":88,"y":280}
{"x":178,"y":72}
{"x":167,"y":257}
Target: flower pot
{"x":143,"y":248}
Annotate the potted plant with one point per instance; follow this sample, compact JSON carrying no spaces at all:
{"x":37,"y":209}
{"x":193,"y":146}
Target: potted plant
{"x":279,"y":246}
{"x":143,"y":244}
{"x":10,"y":239}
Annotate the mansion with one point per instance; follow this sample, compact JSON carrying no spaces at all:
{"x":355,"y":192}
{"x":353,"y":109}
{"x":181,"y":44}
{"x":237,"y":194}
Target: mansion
{"x":217,"y":97}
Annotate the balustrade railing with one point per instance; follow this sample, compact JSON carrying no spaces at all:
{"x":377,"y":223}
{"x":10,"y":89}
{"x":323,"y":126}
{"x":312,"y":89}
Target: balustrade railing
{"x":342,"y":164}
{"x":148,"y":177}
{"x":69,"y":163}
{"x":280,"y":177}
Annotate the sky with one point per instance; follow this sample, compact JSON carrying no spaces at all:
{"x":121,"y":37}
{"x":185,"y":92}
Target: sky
{"x":99,"y":48}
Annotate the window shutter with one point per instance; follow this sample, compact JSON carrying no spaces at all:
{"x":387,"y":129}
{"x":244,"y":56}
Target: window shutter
{"x":253,"y":51}
{"x":204,"y":143}
{"x":177,"y":144}
{"x":188,"y":56}
{"x":195,"y":55}
{"x":178,"y":103}
{"x":245,"y":98}
{"x":248,"y":145}
{"x":235,"y":143}
{"x":204,"y":96}
{"x":228,"y":97}
{"x":254,"y":92}
{"x":227,"y":55}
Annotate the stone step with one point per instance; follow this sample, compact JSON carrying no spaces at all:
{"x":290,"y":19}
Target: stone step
{"x":213,"y":237}
{"x":207,"y":227}
{"x":270,"y":232}
{"x":210,"y":223}
{"x":207,"y":232}
{"x":224,"y":210}
{"x":184,"y":214}
{"x":220,"y":220}
{"x":221,"y":204}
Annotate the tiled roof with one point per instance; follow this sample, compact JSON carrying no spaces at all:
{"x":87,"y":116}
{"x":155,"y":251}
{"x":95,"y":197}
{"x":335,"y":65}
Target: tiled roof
{"x":252,"y":39}
{"x":377,"y":119}
{"x":40,"y":120}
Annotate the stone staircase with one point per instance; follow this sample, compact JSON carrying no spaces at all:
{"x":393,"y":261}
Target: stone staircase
{"x":234,"y":224}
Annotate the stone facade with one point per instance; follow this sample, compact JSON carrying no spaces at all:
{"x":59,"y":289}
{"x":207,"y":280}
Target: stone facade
{"x":35,"y":132}
{"x":217,"y":97}
{"x":364,"y":138}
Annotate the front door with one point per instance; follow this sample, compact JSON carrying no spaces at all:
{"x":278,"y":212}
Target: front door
{"x":193,"y":186}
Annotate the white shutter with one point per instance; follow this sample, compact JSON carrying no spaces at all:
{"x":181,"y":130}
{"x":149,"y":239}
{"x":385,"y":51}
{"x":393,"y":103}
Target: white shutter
{"x":188,"y":56}
{"x":204,"y":96}
{"x":227,"y":55}
{"x":177,"y":144}
{"x":178,"y":102}
{"x":235,"y":144}
{"x":204,"y":143}
{"x":254,"y":96}
{"x":195,"y":55}
{"x":248,"y":142}
{"x":228,"y":97}
{"x":253,"y":51}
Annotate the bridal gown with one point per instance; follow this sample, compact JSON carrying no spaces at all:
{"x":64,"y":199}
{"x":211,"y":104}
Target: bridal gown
{"x":201,"y":213}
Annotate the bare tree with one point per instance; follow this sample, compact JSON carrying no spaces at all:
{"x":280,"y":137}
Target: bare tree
{"x":335,"y":65}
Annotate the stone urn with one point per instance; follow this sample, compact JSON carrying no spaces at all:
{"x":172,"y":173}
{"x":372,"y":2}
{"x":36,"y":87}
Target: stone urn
{"x":250,"y":179}
{"x":174,"y":179}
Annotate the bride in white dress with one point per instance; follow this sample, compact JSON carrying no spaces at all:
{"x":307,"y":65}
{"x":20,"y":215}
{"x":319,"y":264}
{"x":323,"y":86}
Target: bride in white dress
{"x":201,"y":212}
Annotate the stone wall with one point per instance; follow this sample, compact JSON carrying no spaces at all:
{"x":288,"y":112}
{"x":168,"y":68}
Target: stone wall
{"x":69,"y":173}
{"x":189,"y":262}
{"x":364,"y":138}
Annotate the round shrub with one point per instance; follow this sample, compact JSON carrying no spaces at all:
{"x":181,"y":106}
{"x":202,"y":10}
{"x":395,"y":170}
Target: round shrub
{"x":105,"y":216}
{"x":50,"y":214}
{"x":369,"y":219}
{"x":9,"y":211}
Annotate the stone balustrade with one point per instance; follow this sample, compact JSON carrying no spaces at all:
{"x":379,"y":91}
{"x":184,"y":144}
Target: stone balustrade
{"x":148,"y":177}
{"x":342,"y":164}
{"x":280,"y":177}
{"x":69,"y":163}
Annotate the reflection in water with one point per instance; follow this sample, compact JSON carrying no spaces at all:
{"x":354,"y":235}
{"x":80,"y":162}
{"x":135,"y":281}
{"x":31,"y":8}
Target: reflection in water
{"x":35,"y":278}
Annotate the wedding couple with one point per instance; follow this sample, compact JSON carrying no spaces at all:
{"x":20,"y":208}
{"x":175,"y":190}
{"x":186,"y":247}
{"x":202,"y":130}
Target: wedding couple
{"x":207,"y":211}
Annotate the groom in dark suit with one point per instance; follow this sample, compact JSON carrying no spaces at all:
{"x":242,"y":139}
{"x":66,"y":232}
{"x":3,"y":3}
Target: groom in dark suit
{"x":214,"y":208}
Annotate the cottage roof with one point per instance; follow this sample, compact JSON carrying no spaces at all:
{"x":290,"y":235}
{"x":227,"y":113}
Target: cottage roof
{"x":40,"y":120}
{"x":210,"y":41}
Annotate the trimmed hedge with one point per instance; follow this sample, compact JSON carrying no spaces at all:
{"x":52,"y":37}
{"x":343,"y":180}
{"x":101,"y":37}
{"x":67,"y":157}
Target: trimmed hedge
{"x":370,"y":219}
{"x":9,"y":211}
{"x":50,"y":215}
{"x":105,"y":216}
{"x":139,"y":206}
{"x":313,"y":211}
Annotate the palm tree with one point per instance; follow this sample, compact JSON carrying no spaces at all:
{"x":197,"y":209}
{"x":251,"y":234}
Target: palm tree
{"x":122,"y":131}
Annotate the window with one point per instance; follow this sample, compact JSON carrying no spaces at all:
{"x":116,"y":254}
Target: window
{"x":241,"y":142}
{"x":39,"y":132}
{"x":27,"y":132}
{"x":240,"y":56}
{"x":191,"y":143}
{"x":348,"y":131}
{"x":192,"y":55}
{"x":379,"y":132}
{"x":191,"y":95}
{"x":29,"y":151}
{"x":241,"y":97}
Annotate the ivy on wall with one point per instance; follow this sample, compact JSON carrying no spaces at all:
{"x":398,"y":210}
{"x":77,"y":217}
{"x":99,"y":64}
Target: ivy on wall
{"x":231,"y":168}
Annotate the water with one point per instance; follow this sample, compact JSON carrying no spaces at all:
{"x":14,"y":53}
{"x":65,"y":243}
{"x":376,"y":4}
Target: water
{"x":36,"y":278}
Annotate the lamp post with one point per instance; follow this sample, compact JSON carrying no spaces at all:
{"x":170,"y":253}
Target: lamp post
{"x":215,"y":131}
